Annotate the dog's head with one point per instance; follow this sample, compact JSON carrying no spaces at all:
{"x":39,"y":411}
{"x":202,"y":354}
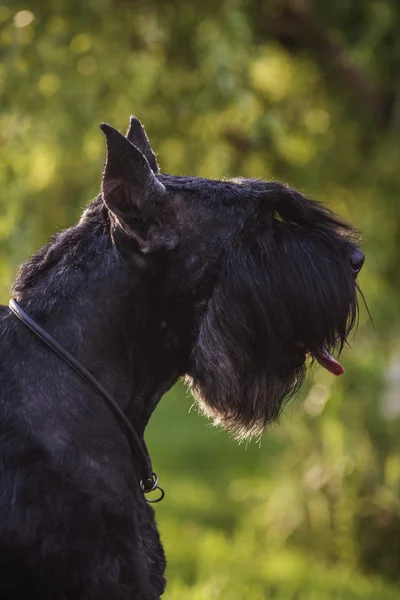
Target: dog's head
{"x":256,"y":277}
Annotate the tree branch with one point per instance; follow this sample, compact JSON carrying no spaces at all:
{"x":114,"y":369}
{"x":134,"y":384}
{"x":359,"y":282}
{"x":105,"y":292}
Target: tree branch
{"x":296,"y":29}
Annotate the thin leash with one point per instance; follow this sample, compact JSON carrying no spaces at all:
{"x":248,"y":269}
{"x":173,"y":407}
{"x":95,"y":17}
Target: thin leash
{"x":149,"y":479}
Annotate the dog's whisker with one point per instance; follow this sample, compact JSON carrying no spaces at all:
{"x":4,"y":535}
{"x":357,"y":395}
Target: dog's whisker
{"x":365,"y":305}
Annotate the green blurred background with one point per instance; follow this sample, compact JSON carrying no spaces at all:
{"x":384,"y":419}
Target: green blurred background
{"x":305,"y":91}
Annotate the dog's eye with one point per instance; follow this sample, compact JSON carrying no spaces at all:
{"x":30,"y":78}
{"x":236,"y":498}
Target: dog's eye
{"x":357,"y":260}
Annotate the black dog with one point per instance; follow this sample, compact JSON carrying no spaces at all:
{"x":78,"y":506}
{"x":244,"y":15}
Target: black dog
{"x":231,"y":283}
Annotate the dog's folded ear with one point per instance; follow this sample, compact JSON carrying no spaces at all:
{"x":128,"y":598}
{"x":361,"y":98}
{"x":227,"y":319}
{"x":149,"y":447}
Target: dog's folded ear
{"x":137,"y":136}
{"x":133,"y":194}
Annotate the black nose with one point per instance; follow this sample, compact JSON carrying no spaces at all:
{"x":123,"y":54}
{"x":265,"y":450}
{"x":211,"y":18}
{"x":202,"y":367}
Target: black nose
{"x":357,"y":260}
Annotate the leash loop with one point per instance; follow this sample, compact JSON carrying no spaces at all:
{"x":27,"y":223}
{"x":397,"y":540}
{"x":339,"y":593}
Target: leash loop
{"x":150,"y":485}
{"x":149,"y":480}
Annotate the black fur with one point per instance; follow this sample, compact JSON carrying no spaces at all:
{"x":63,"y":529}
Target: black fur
{"x":227,"y":282}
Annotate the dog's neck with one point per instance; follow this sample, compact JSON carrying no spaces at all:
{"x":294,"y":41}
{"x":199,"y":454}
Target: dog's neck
{"x":98,"y":305}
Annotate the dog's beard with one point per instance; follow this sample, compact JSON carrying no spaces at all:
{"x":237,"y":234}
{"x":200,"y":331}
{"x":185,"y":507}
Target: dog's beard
{"x":234,"y":389}
{"x":243,"y":402}
{"x":271,"y":306}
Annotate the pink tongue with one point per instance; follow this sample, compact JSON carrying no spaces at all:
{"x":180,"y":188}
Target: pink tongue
{"x":327,"y":361}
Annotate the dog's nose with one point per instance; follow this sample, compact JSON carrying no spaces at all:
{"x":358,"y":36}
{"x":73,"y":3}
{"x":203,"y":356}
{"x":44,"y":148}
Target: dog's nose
{"x":357,"y":260}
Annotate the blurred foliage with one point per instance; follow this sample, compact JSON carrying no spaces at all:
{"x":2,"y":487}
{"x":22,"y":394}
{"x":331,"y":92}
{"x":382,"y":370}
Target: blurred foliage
{"x":304,"y":91}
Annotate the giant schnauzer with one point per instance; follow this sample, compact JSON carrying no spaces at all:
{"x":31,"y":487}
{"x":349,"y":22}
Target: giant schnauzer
{"x":236,"y":284}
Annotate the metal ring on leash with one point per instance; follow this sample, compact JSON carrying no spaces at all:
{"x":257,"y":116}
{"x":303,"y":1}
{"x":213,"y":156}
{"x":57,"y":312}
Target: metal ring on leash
{"x":150,"y":486}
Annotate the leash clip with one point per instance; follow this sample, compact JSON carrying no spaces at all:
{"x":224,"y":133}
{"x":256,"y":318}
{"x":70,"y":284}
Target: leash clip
{"x":150,"y":485}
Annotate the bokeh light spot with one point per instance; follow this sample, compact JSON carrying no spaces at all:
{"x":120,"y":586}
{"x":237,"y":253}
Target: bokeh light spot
{"x":317,"y":121}
{"x":4,"y":13}
{"x":80,"y":43}
{"x":49,"y":83}
{"x":86,"y":66}
{"x":42,"y":167}
{"x":23,"y":18}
